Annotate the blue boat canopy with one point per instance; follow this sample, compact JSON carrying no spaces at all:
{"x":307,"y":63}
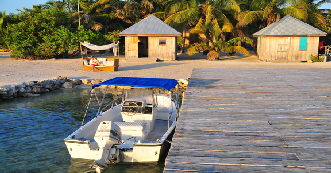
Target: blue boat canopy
{"x":163,"y":83}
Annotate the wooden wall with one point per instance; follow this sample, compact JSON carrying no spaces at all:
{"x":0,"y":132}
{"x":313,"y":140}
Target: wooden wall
{"x":162,"y":52}
{"x":285,"y":48}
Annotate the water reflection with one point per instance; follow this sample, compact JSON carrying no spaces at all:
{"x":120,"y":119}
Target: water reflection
{"x":32,"y":132}
{"x":82,"y":165}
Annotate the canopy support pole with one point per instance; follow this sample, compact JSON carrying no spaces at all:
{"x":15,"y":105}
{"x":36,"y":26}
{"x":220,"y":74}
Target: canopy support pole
{"x":81,"y":50}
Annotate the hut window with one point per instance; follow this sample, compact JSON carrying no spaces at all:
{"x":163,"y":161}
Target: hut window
{"x":303,"y":43}
{"x":162,"y":41}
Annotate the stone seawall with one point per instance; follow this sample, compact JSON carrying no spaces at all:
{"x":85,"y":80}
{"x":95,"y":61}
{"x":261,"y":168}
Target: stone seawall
{"x":35,"y":88}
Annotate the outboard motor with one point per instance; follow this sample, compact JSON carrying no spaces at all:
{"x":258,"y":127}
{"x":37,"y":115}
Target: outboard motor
{"x":107,"y":136}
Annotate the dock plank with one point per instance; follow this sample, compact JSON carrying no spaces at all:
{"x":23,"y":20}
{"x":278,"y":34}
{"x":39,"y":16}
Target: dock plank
{"x":254,"y":120}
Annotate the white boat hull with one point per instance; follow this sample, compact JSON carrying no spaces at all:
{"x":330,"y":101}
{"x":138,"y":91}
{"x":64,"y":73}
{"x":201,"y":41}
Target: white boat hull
{"x":140,"y":153}
{"x":81,"y":143}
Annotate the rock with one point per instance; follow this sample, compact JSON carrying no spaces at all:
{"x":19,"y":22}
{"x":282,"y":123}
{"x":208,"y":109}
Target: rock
{"x":31,"y":95}
{"x":67,"y":85}
{"x":29,"y":83}
{"x":36,"y":89}
{"x":21,"y":92}
{"x":85,"y":81}
{"x":95,"y":82}
{"x":183,"y":81}
{"x":28,"y":89}
{"x":47,"y":86}
{"x":77,"y":81}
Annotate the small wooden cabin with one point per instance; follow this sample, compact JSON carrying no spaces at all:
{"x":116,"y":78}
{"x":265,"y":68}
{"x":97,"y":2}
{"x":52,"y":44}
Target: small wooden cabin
{"x":150,"y":38}
{"x":289,"y":39}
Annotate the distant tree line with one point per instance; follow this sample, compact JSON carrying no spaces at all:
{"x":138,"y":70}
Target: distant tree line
{"x":54,"y":28}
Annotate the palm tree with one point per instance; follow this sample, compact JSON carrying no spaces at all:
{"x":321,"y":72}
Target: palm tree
{"x":196,"y":13}
{"x":261,"y":13}
{"x":135,"y":10}
{"x":2,"y":20}
{"x":2,"y":27}
{"x":216,"y":40}
{"x":314,"y":15}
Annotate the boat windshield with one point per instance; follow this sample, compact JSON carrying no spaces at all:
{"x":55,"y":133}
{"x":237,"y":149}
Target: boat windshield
{"x":132,"y":103}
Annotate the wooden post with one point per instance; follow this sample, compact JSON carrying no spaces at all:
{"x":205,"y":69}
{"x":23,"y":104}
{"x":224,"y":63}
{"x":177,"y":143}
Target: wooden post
{"x":81,"y":50}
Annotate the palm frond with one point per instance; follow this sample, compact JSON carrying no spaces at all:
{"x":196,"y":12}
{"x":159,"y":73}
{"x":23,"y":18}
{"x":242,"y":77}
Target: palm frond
{"x":249,"y":17}
{"x":176,"y":5}
{"x":216,"y":30}
{"x":295,"y":12}
{"x":316,"y":19}
{"x":109,"y":16}
{"x":198,"y":28}
{"x":237,"y":49}
{"x":209,"y":14}
{"x":189,"y":16}
{"x":228,"y":5}
{"x":318,"y":4}
{"x":227,"y":27}
{"x":271,"y":7}
{"x":240,"y":39}
{"x":193,"y":49}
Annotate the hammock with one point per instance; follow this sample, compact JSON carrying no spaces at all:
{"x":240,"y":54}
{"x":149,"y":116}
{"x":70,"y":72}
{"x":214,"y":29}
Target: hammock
{"x":96,"y":47}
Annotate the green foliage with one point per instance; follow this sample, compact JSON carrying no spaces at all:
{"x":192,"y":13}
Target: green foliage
{"x":57,"y":43}
{"x":316,"y":58}
{"x":113,"y":36}
{"x":328,"y":21}
{"x":90,"y":36}
{"x":32,"y":29}
{"x":261,"y":13}
{"x":179,"y":40}
{"x":52,"y":28}
{"x":40,"y":34}
{"x":2,"y":29}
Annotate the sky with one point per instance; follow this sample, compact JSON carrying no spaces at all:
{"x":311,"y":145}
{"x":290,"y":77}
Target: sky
{"x":10,"y":6}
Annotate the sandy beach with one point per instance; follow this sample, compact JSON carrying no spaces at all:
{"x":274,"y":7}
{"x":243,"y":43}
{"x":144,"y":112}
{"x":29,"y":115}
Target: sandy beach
{"x":18,"y":71}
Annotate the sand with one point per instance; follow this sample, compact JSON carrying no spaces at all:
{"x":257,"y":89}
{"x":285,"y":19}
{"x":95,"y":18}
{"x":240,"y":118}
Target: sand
{"x":18,"y":71}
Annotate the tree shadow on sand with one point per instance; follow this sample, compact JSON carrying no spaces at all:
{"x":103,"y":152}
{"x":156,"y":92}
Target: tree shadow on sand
{"x":223,"y":57}
{"x":147,"y":66}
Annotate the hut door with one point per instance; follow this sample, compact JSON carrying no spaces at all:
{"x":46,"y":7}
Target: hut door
{"x":143,"y":47}
{"x":283,"y":48}
{"x":132,"y":47}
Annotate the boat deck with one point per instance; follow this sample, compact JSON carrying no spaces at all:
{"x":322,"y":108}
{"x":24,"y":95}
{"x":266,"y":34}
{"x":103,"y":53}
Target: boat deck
{"x":254,"y":120}
{"x":160,"y":127}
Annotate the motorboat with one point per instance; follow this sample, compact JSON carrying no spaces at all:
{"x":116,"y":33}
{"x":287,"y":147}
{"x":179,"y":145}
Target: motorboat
{"x":136,"y":129}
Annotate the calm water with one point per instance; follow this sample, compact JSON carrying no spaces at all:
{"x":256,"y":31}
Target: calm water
{"x":32,"y":132}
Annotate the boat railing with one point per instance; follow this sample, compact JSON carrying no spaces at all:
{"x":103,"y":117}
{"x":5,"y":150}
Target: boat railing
{"x":112,"y":103}
{"x":100,"y":108}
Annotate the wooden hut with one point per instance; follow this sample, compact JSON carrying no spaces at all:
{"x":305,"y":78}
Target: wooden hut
{"x":288,"y":40}
{"x":150,"y":38}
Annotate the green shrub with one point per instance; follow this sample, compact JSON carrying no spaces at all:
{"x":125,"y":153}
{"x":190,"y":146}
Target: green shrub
{"x":316,"y":58}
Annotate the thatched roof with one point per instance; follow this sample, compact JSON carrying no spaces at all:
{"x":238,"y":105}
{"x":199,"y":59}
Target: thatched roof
{"x":290,"y":26}
{"x":150,"y":26}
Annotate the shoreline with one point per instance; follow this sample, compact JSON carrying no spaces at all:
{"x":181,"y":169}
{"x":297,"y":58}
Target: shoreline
{"x":16,"y":72}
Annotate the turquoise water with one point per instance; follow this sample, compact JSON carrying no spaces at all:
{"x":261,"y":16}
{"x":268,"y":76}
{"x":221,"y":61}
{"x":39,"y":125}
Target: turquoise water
{"x":32,"y":132}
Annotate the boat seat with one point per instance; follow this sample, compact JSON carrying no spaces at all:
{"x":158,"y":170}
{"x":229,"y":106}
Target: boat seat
{"x":131,"y":126}
{"x":102,"y":61}
{"x":132,"y":129}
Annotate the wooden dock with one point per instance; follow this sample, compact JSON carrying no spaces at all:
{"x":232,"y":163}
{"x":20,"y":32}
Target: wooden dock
{"x":254,"y":120}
